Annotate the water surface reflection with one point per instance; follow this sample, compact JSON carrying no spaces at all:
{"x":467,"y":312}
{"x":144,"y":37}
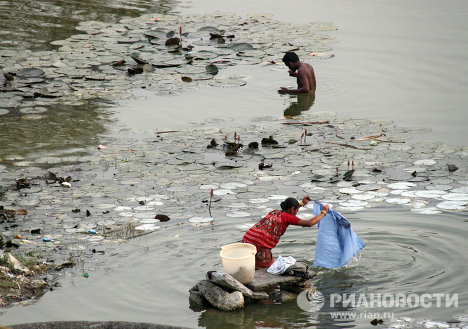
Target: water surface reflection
{"x":300,"y":103}
{"x":33,"y":25}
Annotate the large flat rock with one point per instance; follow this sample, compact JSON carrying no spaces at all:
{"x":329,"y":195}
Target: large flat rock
{"x":264,"y":281}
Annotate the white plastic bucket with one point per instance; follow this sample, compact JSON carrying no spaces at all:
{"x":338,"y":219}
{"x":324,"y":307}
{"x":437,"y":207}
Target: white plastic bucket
{"x":239,"y":261}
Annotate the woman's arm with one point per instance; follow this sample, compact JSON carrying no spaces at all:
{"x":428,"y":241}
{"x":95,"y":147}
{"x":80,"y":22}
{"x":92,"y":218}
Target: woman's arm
{"x":314,"y":220}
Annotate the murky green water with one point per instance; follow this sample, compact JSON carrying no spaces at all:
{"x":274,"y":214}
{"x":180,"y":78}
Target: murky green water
{"x":403,"y":62}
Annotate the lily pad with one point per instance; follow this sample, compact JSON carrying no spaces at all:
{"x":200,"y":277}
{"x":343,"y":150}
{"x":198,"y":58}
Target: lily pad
{"x":227,"y":82}
{"x":430,"y":194}
{"x":426,"y":211}
{"x":238,"y":214}
{"x":232,"y":185}
{"x":349,"y":190}
{"x":30,"y":73}
{"x":462,"y":189}
{"x":456,"y":197}
{"x":397,"y":200}
{"x":223,"y":192}
{"x":147,"y":227}
{"x":452,"y":205}
{"x":401,"y":185}
{"x":241,"y":46}
{"x":201,"y":221}
{"x":425,"y":162}
{"x":212,"y":69}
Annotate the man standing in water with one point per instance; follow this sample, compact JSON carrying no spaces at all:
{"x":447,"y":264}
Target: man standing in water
{"x":303,"y":71}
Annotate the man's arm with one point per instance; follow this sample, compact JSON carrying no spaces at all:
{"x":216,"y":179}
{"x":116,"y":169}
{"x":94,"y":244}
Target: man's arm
{"x":301,"y":81}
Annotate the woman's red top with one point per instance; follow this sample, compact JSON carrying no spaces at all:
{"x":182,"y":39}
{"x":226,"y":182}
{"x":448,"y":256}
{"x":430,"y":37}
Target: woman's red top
{"x":268,"y":230}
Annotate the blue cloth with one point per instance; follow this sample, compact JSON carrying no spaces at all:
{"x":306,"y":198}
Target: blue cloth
{"x":337,"y":243}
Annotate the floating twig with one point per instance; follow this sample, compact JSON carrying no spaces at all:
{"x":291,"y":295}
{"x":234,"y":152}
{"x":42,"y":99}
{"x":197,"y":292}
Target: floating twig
{"x":368,"y":137}
{"x":351,"y":146}
{"x":306,"y":123}
{"x":167,"y":131}
{"x":387,"y":141}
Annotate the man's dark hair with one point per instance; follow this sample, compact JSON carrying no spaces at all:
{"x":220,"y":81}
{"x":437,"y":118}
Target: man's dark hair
{"x":288,"y":203}
{"x":290,"y":56}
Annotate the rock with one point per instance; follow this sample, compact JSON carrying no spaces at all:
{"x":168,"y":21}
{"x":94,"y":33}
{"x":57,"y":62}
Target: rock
{"x":227,"y":281}
{"x":196,"y":301}
{"x":219,"y":298}
{"x":264,"y":281}
{"x":16,"y":265}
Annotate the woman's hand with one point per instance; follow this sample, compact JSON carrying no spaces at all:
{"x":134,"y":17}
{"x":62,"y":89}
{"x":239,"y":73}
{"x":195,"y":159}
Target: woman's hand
{"x":326,"y":208}
{"x":305,"y":200}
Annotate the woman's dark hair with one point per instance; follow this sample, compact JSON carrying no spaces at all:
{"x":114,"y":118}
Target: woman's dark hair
{"x":288,"y":203}
{"x":290,"y":56}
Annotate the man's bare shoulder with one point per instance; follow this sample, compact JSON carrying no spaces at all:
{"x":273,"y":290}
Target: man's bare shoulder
{"x":309,"y":67}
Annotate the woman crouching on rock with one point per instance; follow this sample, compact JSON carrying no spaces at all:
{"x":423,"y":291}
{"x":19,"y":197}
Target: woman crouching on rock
{"x":266,"y":234}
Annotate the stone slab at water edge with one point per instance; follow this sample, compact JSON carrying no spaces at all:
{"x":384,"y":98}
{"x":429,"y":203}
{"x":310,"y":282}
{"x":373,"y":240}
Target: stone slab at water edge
{"x":223,"y":292}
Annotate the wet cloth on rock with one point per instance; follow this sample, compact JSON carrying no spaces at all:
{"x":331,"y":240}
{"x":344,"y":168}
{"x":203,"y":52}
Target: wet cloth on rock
{"x":337,"y":243}
{"x":281,"y":264}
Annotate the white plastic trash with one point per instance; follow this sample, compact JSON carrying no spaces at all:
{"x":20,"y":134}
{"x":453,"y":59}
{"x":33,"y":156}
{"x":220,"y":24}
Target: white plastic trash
{"x":239,"y":261}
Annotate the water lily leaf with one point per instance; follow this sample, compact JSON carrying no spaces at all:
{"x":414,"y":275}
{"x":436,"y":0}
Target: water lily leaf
{"x":30,"y":73}
{"x":210,"y":29}
{"x":148,"y":68}
{"x":203,"y":55}
{"x":241,"y":46}
{"x":172,"y":42}
{"x":212,"y":69}
{"x":228,"y":82}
